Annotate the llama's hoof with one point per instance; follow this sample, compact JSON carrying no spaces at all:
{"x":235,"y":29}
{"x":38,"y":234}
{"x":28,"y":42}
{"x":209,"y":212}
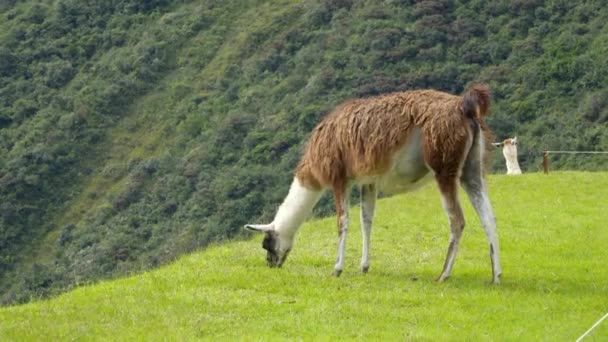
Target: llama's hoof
{"x":442,"y":278}
{"x":495,"y":281}
{"x":336,"y":273}
{"x":364,"y":269}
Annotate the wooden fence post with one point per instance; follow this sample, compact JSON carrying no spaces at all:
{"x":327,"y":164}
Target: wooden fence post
{"x":546,"y":161}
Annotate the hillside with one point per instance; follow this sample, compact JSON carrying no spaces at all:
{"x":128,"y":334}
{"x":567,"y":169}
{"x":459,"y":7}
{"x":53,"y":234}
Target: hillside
{"x":553,"y":286}
{"x":132,"y":132}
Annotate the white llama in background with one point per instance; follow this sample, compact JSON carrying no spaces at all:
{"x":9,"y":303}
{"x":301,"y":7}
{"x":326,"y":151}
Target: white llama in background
{"x":391,"y":143}
{"x":509,"y":150}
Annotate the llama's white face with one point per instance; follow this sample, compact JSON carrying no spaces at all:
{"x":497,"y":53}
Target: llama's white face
{"x":509,"y":149}
{"x":511,"y":141}
{"x":277,"y":248}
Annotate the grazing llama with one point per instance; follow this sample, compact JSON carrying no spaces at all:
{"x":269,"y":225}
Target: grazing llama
{"x":391,"y":143}
{"x":509,"y":150}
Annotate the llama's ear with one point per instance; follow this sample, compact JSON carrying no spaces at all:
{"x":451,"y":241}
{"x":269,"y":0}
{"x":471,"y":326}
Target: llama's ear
{"x":262,"y":228}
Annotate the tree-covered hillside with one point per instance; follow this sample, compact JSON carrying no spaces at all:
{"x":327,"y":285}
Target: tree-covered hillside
{"x":134,"y":131}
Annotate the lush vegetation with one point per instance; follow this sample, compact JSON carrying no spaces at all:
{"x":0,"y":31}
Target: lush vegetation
{"x":553,"y":287}
{"x":134,"y":131}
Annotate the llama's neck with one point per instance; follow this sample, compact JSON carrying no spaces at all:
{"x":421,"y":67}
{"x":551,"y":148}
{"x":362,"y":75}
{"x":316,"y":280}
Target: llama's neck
{"x":510,"y":153}
{"x":296,"y":207}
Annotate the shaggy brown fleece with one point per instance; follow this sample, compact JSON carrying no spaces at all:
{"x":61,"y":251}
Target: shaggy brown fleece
{"x":360,"y":137}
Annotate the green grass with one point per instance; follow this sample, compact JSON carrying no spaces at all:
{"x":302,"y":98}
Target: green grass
{"x":553,"y":238}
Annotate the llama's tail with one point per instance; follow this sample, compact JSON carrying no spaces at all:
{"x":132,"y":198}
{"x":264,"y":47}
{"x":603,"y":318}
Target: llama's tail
{"x":476,"y":105}
{"x":476,"y":102}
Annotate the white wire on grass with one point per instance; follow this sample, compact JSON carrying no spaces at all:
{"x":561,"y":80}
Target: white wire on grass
{"x":593,"y":327}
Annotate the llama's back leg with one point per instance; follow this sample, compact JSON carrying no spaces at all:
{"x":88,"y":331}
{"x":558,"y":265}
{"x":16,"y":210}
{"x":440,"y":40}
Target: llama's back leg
{"x":342,"y":199}
{"x":368,"y":206}
{"x":474,"y":185}
{"x":451,"y":205}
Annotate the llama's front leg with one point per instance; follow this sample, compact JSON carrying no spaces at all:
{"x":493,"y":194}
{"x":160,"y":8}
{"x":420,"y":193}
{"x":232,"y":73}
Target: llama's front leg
{"x":342,"y":198}
{"x":451,"y":205}
{"x":368,"y":206}
{"x":478,"y":195}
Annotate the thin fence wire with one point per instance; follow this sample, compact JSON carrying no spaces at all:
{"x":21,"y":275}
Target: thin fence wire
{"x":547,"y":152}
{"x":577,"y":152}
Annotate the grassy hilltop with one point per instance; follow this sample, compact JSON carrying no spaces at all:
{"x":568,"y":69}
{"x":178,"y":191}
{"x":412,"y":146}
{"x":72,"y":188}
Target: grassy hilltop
{"x":552,"y":232}
{"x":132,"y":132}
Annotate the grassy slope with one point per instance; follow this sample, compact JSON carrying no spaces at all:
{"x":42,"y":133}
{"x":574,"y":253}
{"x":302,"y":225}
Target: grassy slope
{"x":553,"y":236}
{"x":177,"y":117}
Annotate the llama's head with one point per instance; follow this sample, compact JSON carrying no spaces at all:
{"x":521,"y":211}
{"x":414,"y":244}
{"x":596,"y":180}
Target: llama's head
{"x":509,"y":148}
{"x":512,"y":141}
{"x":277,"y":246}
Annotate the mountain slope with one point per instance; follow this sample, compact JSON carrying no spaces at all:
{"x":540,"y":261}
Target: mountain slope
{"x":132,"y":132}
{"x":553,"y":285}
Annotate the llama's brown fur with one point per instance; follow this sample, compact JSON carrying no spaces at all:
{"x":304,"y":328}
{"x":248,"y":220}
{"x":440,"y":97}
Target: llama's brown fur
{"x":360,"y":137}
